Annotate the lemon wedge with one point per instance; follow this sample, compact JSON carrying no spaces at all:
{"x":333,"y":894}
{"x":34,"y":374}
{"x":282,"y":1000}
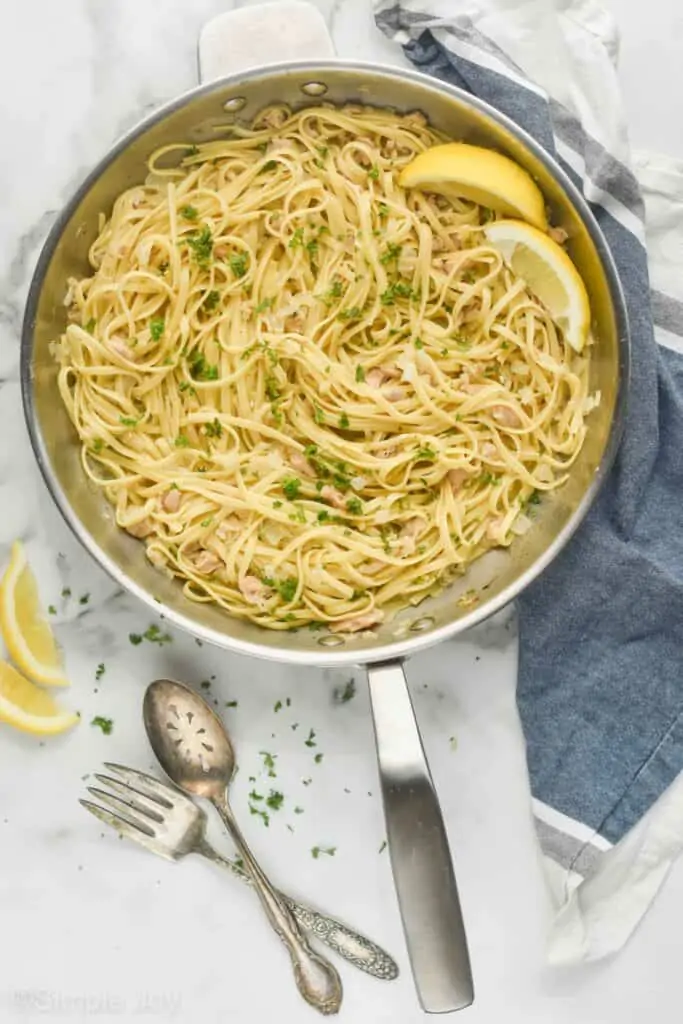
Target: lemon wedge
{"x":25,"y":630}
{"x":549,"y":274}
{"x":25,"y":706}
{"x":481,"y":175}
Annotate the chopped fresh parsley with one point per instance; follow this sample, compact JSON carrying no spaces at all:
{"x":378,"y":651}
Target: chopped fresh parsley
{"x":100,"y":670}
{"x":152,"y":634}
{"x":373,"y":173}
{"x":360,"y":374}
{"x":426,"y":452}
{"x":238,"y":264}
{"x":383,"y":210}
{"x":91,"y":325}
{"x":274,"y":800}
{"x":189,"y":212}
{"x":345,"y":694}
{"x":323,"y":516}
{"x":269,"y":165}
{"x":182,"y":441}
{"x":211,"y":301}
{"x":200,"y":369}
{"x":213,"y":429}
{"x":269,"y":762}
{"x":186,"y":386}
{"x":352,"y":313}
{"x":272,"y":388}
{"x":344,"y":421}
{"x":128,"y":421}
{"x":264,"y":305}
{"x":328,"y":850}
{"x":255,"y":796}
{"x":393,"y":252}
{"x":287,"y":589}
{"x":105,"y":724}
{"x":318,"y":415}
{"x":201,"y":244}
{"x":263,"y":815}
{"x":399,"y":289}
{"x":310,"y":742}
{"x":98,"y":444}
{"x":291,"y":486}
{"x":333,"y":292}
{"x":297,"y":239}
{"x":355,"y":506}
{"x":418,"y":343}
{"x":312,"y":247}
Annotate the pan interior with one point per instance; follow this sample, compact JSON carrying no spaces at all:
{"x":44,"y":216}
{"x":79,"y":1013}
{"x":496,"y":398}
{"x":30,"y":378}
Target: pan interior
{"x":201,"y":116}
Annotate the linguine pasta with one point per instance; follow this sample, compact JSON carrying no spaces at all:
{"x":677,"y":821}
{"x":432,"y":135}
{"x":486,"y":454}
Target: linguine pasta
{"x":316,"y":397}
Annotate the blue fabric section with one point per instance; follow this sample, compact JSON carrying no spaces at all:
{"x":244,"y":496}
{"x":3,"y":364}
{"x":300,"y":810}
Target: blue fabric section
{"x":600,"y":691}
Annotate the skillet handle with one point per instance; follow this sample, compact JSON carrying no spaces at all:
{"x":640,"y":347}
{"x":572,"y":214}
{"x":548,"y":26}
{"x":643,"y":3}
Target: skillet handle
{"x":420,"y":857}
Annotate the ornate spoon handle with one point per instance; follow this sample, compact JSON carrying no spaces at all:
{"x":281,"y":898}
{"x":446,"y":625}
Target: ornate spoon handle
{"x":352,"y":946}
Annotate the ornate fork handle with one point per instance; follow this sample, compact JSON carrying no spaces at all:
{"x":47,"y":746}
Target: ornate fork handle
{"x":357,"y":949}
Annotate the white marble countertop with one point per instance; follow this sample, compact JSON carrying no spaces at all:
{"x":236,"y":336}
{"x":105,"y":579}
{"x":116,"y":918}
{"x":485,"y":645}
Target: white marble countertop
{"x":96,"y":928}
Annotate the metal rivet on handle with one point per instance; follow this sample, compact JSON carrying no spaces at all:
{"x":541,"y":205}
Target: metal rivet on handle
{"x":331,"y":641}
{"x":420,"y":625}
{"x":314,"y":88}
{"x":234,"y":104}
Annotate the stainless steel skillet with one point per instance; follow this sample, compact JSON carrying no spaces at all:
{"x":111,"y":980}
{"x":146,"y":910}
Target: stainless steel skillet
{"x":417,"y":840}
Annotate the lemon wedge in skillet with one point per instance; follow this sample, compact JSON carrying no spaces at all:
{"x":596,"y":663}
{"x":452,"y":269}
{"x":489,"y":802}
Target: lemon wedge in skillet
{"x":461,"y":171}
{"x":549,"y":273}
{"x":25,"y":629}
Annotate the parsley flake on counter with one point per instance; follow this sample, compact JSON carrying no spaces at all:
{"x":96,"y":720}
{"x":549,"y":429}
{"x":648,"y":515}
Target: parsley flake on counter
{"x":298,"y":810}
{"x":231,"y":704}
{"x":310,"y":742}
{"x":153,"y":634}
{"x":66,"y":592}
{"x":345,"y":694}
{"x":327,"y":850}
{"x":274,"y":800}
{"x":263,"y":815}
{"x":99,"y":671}
{"x":84,"y":598}
{"x":105,"y":724}
{"x":255,"y":796}
{"x":278,"y":706}
{"x":269,"y":763}
{"x":318,"y":758}
{"x":383,"y":847}
{"x":51,"y":610}
{"x":307,"y":782}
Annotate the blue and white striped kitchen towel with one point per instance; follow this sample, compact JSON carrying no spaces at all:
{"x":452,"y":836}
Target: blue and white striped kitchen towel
{"x":600,"y":692}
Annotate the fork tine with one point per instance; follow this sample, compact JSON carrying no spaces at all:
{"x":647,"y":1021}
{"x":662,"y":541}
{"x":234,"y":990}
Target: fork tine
{"x":143,"y":820}
{"x":133,"y":798}
{"x":131,"y":830}
{"x":163,"y":792}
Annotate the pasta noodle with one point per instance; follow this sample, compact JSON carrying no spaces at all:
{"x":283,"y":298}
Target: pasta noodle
{"x":315,"y":396}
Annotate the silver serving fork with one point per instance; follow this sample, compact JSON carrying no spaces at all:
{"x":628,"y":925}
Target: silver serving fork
{"x":162,"y":819}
